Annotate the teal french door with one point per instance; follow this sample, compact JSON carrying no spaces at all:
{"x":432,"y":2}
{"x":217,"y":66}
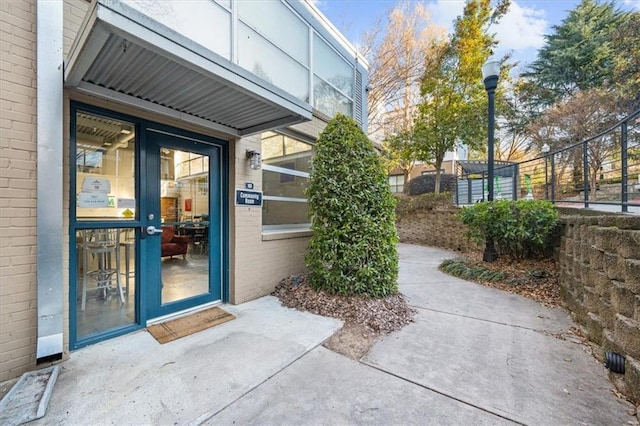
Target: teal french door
{"x":182,"y":224}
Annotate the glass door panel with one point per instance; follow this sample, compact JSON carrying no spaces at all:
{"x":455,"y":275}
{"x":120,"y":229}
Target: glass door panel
{"x":184,"y":214}
{"x":183,"y":202}
{"x":106,"y":282}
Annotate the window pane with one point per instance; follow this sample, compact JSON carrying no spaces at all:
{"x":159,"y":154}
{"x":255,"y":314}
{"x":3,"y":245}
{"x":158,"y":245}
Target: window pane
{"x":193,"y":20}
{"x":284,"y":213}
{"x":283,"y":185}
{"x":278,"y":24}
{"x":329,"y":65}
{"x":272,"y":145}
{"x":106,"y":282}
{"x":260,"y":57}
{"x":329,"y":101}
{"x":105,"y":168}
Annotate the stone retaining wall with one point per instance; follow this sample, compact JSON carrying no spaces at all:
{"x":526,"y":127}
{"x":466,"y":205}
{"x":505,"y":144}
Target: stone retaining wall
{"x":599,"y":264}
{"x":438,"y":228}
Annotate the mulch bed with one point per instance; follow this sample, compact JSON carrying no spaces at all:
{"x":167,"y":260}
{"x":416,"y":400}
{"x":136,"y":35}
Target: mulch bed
{"x":383,"y":315}
{"x":536,"y":279}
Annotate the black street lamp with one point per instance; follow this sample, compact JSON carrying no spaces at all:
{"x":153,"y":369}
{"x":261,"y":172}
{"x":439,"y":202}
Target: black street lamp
{"x":490,"y":73}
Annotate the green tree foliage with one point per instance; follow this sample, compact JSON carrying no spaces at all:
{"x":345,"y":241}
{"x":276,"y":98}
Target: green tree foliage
{"x":453,"y":108}
{"x":353,"y":247}
{"x":595,"y":47}
{"x":521,"y":229}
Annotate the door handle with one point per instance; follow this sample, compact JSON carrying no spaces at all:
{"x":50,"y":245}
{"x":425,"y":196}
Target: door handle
{"x":152,"y":230}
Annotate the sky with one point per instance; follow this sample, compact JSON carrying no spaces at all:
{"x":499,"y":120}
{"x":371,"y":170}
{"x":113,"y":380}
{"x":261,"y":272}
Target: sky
{"x":520,"y":32}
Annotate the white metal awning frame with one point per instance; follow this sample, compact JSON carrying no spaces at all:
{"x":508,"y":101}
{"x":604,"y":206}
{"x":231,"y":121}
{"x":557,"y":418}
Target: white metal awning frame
{"x":122,"y":55}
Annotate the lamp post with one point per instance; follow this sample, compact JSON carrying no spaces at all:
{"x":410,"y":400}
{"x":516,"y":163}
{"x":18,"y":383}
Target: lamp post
{"x":490,"y":72}
{"x":545,"y":150}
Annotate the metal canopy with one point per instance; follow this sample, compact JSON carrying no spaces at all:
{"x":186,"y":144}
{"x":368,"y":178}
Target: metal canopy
{"x":502,"y":168}
{"x":125,"y":56}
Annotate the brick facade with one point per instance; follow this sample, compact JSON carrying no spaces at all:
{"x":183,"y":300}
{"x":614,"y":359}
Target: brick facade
{"x":17,"y":187}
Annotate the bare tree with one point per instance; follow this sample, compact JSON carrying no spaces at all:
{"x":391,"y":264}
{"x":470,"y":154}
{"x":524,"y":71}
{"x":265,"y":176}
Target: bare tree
{"x":396,"y":54}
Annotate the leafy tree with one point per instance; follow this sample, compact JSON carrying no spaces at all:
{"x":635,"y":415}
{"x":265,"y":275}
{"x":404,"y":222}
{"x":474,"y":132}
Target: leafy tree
{"x":594,"y":47}
{"x":453,"y":108}
{"x":353,"y":247}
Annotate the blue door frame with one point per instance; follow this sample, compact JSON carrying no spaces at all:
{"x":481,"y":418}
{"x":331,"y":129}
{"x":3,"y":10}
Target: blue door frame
{"x":150,"y":138}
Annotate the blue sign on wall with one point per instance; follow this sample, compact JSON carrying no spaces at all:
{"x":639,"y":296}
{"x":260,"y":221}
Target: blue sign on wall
{"x":248,"y":198}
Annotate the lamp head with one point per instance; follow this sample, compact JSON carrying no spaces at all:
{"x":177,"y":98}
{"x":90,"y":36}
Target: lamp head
{"x":491,"y":68}
{"x":545,"y":148}
{"x":254,"y":159}
{"x":491,"y":72}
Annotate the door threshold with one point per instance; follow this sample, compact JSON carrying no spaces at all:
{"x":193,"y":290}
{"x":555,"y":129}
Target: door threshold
{"x":183,"y":312}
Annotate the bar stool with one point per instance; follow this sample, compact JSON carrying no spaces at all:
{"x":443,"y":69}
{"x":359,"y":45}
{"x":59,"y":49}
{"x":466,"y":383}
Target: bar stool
{"x":102,"y":244}
{"x":127,"y":242}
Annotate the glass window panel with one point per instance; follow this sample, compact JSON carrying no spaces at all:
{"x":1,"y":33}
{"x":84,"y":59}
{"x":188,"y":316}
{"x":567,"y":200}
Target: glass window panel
{"x":192,"y":19}
{"x":272,"y":145}
{"x":225,"y":3}
{"x":284,"y":213}
{"x":292,"y":146}
{"x":105,"y":168}
{"x":397,"y":183}
{"x":279,"y":24}
{"x":106,"y":280}
{"x":260,"y":57}
{"x":329,"y":65}
{"x":329,"y":101}
{"x":283,"y":185}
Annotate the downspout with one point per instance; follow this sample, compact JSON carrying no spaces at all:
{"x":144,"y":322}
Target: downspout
{"x":49,"y":134}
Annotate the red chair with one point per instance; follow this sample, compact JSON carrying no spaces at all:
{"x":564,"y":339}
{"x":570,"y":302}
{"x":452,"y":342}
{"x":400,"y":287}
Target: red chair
{"x":172,"y":244}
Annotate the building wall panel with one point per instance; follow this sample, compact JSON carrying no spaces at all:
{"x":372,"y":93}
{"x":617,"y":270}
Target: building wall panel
{"x":17,"y":187}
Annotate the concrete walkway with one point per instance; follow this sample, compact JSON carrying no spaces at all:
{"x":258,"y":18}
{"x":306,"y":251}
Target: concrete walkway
{"x":475,"y":355}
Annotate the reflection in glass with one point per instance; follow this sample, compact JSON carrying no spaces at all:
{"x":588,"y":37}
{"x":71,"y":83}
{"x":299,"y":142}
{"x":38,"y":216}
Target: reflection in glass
{"x":269,"y":18}
{"x":106,"y":282}
{"x":331,"y":67}
{"x":329,"y":101}
{"x":193,"y":20}
{"x":263,"y":59}
{"x":284,"y":213}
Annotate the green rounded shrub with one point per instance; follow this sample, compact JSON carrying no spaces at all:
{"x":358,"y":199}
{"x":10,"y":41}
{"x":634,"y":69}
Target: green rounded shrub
{"x":520,"y":229}
{"x":353,"y":247}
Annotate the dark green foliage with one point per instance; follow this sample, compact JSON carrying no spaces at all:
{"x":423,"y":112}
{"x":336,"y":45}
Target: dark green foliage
{"x":427,"y":183}
{"x":353,"y":247}
{"x":521,"y":229}
{"x":458,"y":268}
{"x":595,"y":46}
{"x":407,"y":205}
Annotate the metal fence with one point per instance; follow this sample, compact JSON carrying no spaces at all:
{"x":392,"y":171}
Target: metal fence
{"x":599,"y":173}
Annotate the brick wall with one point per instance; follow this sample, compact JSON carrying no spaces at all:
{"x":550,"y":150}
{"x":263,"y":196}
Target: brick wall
{"x":17,"y":187}
{"x":599,"y":263}
{"x":438,"y":228}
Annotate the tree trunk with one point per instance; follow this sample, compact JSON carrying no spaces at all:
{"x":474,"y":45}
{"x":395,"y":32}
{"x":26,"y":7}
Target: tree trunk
{"x":438,"y":164}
